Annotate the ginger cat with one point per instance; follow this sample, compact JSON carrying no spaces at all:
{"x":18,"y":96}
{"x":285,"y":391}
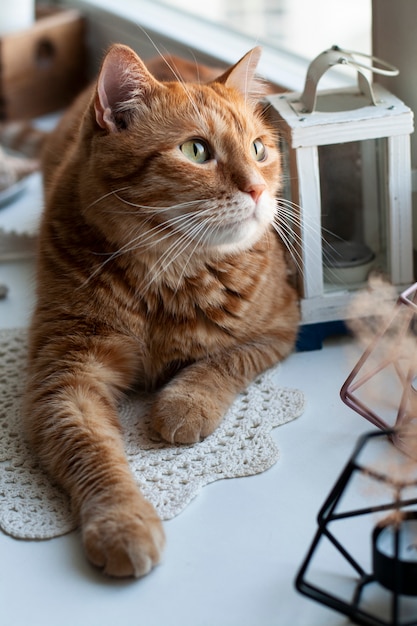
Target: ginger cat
{"x":159,"y":267}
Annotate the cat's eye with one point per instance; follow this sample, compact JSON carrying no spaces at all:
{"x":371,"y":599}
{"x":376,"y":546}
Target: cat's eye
{"x":196,"y":150}
{"x":258,"y":150}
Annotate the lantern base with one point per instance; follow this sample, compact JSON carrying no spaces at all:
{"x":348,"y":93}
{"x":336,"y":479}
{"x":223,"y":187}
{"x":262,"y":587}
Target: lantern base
{"x":311,"y":336}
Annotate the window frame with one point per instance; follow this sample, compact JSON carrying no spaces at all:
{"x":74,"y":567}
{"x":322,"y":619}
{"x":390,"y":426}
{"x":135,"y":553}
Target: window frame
{"x":138,"y":23}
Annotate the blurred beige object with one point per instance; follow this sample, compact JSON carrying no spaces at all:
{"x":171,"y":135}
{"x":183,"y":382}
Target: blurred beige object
{"x":43,"y":67}
{"x":14,"y":168}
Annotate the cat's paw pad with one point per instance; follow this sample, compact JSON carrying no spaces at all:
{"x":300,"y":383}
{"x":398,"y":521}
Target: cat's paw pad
{"x":124,"y":543}
{"x":184,"y":417}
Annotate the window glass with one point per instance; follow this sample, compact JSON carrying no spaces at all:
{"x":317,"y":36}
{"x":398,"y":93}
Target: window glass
{"x":302,"y":27}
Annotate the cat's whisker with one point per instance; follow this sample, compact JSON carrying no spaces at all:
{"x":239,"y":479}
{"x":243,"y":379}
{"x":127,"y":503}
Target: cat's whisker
{"x":289,"y":216}
{"x":172,"y":253}
{"x":186,"y":264}
{"x":206,"y":226}
{"x":179,"y":205}
{"x":145,"y":207}
{"x":178,"y":250}
{"x":171,"y":66}
{"x":142,"y":240}
{"x":293,"y":238}
{"x":173,"y":70}
{"x":127,"y":247}
{"x":297,"y":236}
{"x":294,"y":252}
{"x":196,"y":67}
{"x":199,"y":228}
{"x":106,"y":195}
{"x":292,"y":212}
{"x":172,"y":224}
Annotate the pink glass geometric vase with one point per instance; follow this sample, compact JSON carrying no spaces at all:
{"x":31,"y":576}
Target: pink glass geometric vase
{"x":382,"y":386}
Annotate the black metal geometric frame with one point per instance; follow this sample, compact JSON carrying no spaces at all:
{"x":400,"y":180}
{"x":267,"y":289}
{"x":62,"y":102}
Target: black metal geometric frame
{"x":351,"y":607}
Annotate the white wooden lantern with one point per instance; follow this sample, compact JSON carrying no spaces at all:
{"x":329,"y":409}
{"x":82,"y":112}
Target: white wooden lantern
{"x":348,"y":171}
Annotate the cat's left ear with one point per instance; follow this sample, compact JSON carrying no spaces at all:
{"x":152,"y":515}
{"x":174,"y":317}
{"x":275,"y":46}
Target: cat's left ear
{"x":123,"y":82}
{"x":242,"y":75}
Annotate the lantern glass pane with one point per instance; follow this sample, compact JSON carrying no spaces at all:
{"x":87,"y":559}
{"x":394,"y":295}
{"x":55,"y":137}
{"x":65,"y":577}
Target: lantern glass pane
{"x":353,"y":211}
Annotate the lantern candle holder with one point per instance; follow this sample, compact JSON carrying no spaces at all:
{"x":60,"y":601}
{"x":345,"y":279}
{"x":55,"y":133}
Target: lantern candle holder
{"x":363,"y":559}
{"x":394,"y":551}
{"x":347,"y":174}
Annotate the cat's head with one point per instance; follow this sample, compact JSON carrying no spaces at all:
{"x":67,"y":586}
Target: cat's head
{"x":195,"y":162}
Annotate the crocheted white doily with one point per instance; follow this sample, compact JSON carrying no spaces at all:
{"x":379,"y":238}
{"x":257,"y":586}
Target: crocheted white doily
{"x":170,"y":476}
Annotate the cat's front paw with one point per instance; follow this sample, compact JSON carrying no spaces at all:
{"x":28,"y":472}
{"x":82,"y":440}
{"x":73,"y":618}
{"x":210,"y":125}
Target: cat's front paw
{"x":123,"y":541}
{"x":185,"y":416}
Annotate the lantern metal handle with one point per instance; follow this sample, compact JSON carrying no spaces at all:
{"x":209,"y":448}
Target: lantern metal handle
{"x":338,"y":56}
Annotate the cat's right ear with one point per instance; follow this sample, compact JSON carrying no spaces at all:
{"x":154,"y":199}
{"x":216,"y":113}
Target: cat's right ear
{"x":123,"y":81}
{"x":242,"y":76}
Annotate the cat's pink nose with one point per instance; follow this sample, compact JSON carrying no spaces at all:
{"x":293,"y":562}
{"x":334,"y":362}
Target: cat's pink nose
{"x":256,"y":191}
